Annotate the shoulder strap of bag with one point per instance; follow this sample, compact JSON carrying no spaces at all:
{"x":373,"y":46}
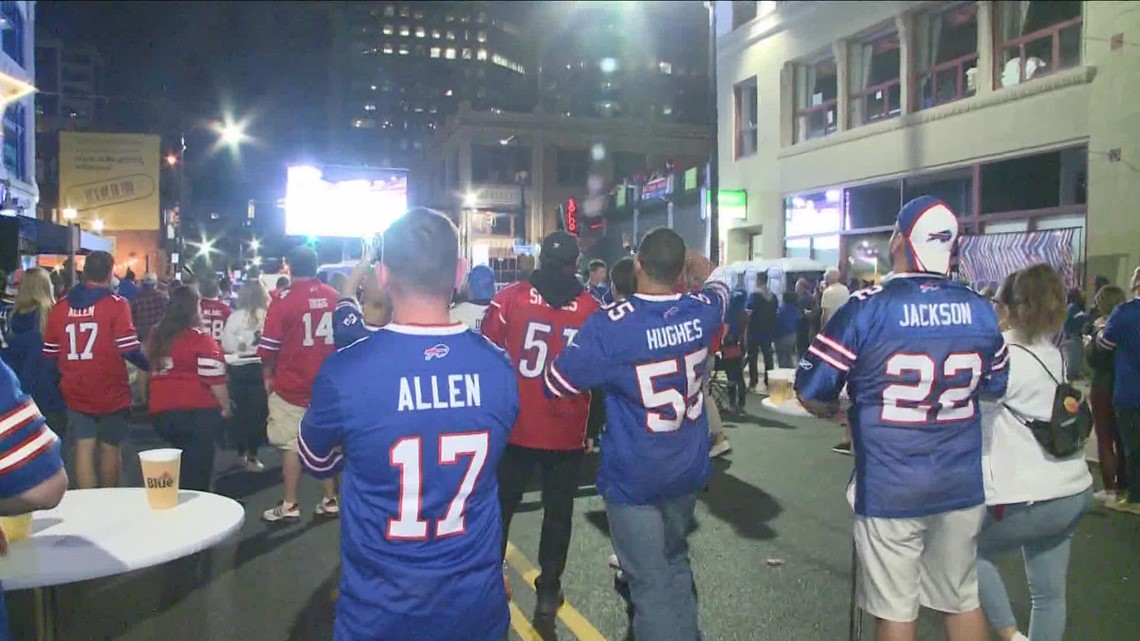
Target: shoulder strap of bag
{"x":1021,"y":416}
{"x":1039,"y":361}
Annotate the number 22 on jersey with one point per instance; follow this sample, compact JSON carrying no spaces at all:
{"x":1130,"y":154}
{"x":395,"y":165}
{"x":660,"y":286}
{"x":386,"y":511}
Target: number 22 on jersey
{"x":407,"y":455}
{"x":910,"y":403}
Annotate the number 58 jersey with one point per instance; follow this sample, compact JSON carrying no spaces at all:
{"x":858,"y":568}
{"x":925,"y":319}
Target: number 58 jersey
{"x":915,"y":355}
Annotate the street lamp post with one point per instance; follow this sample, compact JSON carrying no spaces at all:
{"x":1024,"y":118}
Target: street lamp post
{"x":714,"y":160}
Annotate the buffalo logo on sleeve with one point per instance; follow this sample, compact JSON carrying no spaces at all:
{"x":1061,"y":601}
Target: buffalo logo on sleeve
{"x":436,"y":351}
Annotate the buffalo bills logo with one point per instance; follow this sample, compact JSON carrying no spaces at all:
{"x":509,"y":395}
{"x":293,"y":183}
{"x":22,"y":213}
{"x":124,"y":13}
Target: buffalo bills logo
{"x":436,"y":351}
{"x":944,"y":236}
{"x":671,"y":312}
{"x":928,"y":287}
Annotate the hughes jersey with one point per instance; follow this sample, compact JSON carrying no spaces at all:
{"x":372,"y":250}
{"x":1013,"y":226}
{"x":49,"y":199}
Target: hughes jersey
{"x":214,"y":314}
{"x":298,"y":335}
{"x":915,"y":355}
{"x":649,"y":355}
{"x":520,"y":321}
{"x":418,"y":444}
{"x":183,"y":380}
{"x":87,"y":333}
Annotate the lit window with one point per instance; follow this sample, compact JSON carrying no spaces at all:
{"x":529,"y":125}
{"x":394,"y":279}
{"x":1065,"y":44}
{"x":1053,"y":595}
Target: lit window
{"x":387,"y":30}
{"x":404,"y":30}
{"x":667,"y":110}
{"x":418,"y":15}
{"x":435,"y":52}
{"x":370,"y":107}
{"x":436,"y":34}
{"x":449,"y":54}
{"x":482,"y":17}
{"x":481,"y":36}
{"x":481,"y":54}
{"x":420,"y":32}
{"x":449,"y":18}
{"x":373,"y":87}
{"x":389,"y":10}
{"x":665,"y":68}
{"x":403,"y":50}
{"x":447,"y":92}
{"x":418,"y":110}
{"x":466,"y":54}
{"x":451,"y":35}
{"x":404,"y":12}
{"x":387,"y":48}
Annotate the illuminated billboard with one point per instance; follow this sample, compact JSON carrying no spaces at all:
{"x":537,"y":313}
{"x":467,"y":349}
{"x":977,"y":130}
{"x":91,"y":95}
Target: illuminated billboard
{"x":110,"y":177}
{"x":349,"y":202}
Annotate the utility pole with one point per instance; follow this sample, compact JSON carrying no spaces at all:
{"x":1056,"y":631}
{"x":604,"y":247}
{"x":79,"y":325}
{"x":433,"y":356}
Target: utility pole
{"x":714,"y":161}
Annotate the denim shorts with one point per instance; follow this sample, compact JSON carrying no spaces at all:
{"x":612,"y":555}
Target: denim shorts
{"x":107,"y":428}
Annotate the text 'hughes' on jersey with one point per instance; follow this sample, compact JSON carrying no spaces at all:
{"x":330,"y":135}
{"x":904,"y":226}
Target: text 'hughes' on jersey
{"x":649,"y":354}
{"x":915,"y":355}
{"x":533,"y":333}
{"x":417,"y":418}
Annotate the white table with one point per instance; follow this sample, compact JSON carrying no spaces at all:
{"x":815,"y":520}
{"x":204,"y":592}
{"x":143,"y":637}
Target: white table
{"x":99,"y":533}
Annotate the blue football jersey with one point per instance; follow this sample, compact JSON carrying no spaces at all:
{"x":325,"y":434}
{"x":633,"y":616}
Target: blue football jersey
{"x":1122,"y":335}
{"x":417,"y":417}
{"x":649,"y":354}
{"x":915,"y":355}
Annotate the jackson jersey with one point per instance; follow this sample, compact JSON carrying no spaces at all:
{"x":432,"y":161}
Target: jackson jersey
{"x":89,"y":343}
{"x":915,"y":355}
{"x":470,"y":314}
{"x":298,"y":334}
{"x":182,"y":380}
{"x":214,"y":314}
{"x":649,"y":354}
{"x":520,"y":321}
{"x":418,"y":445}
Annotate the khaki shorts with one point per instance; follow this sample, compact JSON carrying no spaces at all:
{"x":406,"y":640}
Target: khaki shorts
{"x":929,"y":561}
{"x":284,"y":424}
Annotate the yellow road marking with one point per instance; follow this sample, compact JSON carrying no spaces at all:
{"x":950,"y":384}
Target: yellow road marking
{"x":573,"y":619}
{"x":521,"y":624}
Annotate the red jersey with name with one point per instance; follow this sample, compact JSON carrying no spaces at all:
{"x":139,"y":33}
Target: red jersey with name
{"x":182,"y":380}
{"x":214,"y":313}
{"x":532,"y":332}
{"x":298,"y":336}
{"x":89,"y":341}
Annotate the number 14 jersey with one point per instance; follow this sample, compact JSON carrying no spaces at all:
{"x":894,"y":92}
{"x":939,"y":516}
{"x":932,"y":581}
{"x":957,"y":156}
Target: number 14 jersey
{"x":915,"y":355}
{"x":299,"y":335}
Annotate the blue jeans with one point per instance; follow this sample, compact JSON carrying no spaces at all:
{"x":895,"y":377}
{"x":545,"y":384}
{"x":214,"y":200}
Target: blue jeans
{"x":1043,"y":532}
{"x":651,"y":542}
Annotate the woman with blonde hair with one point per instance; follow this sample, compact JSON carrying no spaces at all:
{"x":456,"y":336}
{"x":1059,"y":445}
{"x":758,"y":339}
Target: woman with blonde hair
{"x":239,"y":340}
{"x":1035,"y":499}
{"x":1110,"y":447}
{"x":24,"y":343}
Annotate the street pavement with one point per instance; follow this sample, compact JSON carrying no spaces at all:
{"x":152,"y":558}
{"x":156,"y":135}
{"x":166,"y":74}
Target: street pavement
{"x":771,"y":552}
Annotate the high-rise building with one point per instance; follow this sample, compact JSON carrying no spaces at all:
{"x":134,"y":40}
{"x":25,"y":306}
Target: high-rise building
{"x":645,"y":61}
{"x":18,"y":191}
{"x":68,"y":77}
{"x":400,"y":68}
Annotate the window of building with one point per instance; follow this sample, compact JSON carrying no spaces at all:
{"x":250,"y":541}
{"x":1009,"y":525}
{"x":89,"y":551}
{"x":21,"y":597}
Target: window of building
{"x":404,"y":12}
{"x":436,"y":34}
{"x":573,"y":167}
{"x":467,"y":54}
{"x":403,"y":50}
{"x":388,"y":48}
{"x":370,"y":107}
{"x":627,"y":164}
{"x":498,"y":164}
{"x":420,"y":32}
{"x":364,"y":123}
{"x":15,"y":160}
{"x":481,"y":54}
{"x":746,"y":104}
{"x":451,"y":35}
{"x":874,"y":72}
{"x":667,"y":110}
{"x":946,"y":57}
{"x":955,"y":187}
{"x":13,"y":34}
{"x":449,"y":18}
{"x":665,"y":68}
{"x":418,"y":15}
{"x":481,"y":18}
{"x":435,"y":52}
{"x":481,"y":36}
{"x":389,"y":11}
{"x":742,"y":12}
{"x":868,"y":206}
{"x":387,"y":30}
{"x":404,"y":30}
{"x":817,"y":99}
{"x":1041,"y":181}
{"x":449,"y":53}
{"x":1037,"y":38}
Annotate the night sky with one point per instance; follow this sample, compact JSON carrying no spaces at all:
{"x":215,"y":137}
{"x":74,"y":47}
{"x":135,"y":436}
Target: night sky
{"x":167,"y":64}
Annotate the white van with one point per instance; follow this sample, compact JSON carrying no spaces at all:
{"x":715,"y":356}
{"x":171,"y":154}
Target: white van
{"x":782,"y":273}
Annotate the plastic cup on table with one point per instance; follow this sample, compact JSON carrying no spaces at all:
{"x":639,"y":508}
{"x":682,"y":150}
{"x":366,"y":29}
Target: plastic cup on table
{"x":780,"y":383}
{"x":16,"y":528}
{"x":160,"y":476}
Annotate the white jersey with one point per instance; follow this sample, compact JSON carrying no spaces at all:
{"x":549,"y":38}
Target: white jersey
{"x":470,"y":314}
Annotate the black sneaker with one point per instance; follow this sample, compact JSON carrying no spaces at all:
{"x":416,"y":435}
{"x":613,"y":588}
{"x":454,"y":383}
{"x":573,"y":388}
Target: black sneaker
{"x":842,"y":448}
{"x":546,"y":611}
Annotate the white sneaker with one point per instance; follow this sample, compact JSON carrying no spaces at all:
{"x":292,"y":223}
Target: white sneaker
{"x":281,"y":512}
{"x":720,"y":448}
{"x":328,"y":507}
{"x":254,"y":465}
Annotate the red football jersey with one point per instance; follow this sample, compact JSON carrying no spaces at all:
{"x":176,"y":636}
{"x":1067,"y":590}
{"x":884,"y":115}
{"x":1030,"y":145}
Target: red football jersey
{"x":214,"y":314}
{"x":182,"y":380}
{"x":298,"y":334}
{"x":89,"y":344}
{"x":533,"y":333}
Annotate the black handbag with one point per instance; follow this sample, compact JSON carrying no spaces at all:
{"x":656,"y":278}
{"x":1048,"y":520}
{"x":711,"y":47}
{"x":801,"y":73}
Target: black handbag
{"x":1070,"y":424}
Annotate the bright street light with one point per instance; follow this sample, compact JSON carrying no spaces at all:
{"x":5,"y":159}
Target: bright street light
{"x":255,"y":244}
{"x":97,"y":225}
{"x":171,"y":159}
{"x":470,"y":200}
{"x":70,"y":213}
{"x":256,"y":261}
{"x":232,"y":133}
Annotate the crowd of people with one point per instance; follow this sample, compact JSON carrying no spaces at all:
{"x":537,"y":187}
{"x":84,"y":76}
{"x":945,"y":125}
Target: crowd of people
{"x":426,"y":462}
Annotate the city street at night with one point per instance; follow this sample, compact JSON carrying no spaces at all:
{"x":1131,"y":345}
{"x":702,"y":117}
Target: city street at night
{"x":771,"y":553}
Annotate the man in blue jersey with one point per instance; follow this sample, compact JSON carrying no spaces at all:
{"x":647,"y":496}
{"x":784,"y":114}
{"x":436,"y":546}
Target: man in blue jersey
{"x":1121,"y":334}
{"x":915,"y":355}
{"x":649,"y":353}
{"x":417,"y":415}
{"x":31,"y":470}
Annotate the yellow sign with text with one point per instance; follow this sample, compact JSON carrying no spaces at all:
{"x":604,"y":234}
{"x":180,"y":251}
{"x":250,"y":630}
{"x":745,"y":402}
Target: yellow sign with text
{"x":111,"y":177}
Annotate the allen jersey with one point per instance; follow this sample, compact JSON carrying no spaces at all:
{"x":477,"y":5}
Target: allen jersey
{"x":418,"y":445}
{"x":214,"y":313}
{"x":915,"y":354}
{"x":520,"y":321}
{"x":298,"y":335}
{"x":182,"y":380}
{"x":649,"y":354}
{"x":88,"y":340}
